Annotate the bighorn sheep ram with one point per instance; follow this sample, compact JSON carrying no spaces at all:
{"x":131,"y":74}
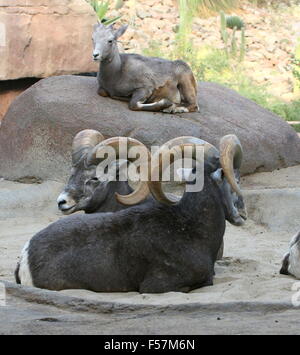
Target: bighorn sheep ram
{"x":291,"y":260}
{"x":153,"y":247}
{"x":84,"y":191}
{"x":148,"y":83}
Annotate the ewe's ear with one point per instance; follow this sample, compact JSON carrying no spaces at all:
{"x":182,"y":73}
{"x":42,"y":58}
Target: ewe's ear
{"x":120,"y":31}
{"x":97,"y":25}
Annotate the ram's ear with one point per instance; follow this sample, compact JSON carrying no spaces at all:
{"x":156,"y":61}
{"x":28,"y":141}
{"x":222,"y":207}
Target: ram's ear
{"x":218,"y":175}
{"x":120,"y":31}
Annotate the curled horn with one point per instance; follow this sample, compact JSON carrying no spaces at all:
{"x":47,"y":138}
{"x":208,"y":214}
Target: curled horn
{"x":231,"y":156}
{"x":83,"y":142}
{"x":211,"y":155}
{"x":142,"y":191}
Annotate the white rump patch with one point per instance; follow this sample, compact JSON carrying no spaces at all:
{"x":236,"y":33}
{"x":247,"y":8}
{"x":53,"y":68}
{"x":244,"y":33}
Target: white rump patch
{"x":24,"y":272}
{"x":294,"y":260}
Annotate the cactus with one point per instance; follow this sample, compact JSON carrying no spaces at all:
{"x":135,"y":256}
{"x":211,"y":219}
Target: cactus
{"x":224,"y":33}
{"x":101,"y":9}
{"x":233,"y":43}
{"x":234,"y":22}
{"x":243,"y":45}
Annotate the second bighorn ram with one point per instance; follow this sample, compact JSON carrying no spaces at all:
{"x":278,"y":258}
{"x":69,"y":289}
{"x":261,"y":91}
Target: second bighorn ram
{"x":147,"y":83}
{"x":84,"y":191}
{"x":166,"y":246}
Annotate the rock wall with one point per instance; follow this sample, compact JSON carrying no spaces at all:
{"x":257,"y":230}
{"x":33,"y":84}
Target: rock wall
{"x":42,"y":38}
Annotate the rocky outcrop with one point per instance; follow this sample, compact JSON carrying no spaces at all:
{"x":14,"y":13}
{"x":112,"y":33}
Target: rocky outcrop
{"x":41,"y":38}
{"x":37,"y":132}
{"x":10,"y":89}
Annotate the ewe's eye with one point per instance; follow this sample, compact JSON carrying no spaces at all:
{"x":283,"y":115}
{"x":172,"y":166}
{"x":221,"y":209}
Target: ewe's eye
{"x":110,"y":41}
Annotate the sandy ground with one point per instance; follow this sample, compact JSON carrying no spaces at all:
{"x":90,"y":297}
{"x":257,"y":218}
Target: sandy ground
{"x":249,"y":270}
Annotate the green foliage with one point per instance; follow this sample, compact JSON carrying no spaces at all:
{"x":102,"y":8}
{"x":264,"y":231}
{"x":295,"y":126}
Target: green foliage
{"x":296,"y":68}
{"x":229,"y":39}
{"x":101,"y":8}
{"x":206,"y":7}
{"x":243,"y":45}
{"x":289,"y":111}
{"x":188,"y":9}
{"x":234,"y":22}
{"x":297,"y":127}
{"x":224,"y":33}
{"x":213,"y":65}
{"x":223,"y":66}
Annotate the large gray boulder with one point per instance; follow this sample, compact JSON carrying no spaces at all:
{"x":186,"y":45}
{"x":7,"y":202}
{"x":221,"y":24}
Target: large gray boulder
{"x":36,"y":133}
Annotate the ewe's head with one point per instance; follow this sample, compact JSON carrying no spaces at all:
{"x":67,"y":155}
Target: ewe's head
{"x":105,"y":41}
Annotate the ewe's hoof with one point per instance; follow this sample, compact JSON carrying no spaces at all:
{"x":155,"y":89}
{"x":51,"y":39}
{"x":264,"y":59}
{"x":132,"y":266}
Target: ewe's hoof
{"x":174,"y":109}
{"x":181,"y":109}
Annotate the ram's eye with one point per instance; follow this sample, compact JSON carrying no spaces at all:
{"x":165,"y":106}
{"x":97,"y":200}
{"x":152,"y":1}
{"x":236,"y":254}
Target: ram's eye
{"x":110,"y":41}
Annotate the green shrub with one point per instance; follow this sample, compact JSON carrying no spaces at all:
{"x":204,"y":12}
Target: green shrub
{"x":101,"y":8}
{"x":213,"y":65}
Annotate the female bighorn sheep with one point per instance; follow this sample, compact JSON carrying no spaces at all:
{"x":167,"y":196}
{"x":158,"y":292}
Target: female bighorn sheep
{"x":166,"y":246}
{"x":148,"y":83}
{"x":291,"y":260}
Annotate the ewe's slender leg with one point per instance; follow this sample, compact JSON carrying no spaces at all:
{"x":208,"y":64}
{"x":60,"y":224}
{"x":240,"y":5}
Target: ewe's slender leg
{"x":140,"y":96}
{"x":188,"y":90}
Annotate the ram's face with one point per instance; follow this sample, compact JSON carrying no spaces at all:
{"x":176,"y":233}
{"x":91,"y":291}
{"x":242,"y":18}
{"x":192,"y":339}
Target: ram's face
{"x":81,"y":189}
{"x":234,"y":206}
